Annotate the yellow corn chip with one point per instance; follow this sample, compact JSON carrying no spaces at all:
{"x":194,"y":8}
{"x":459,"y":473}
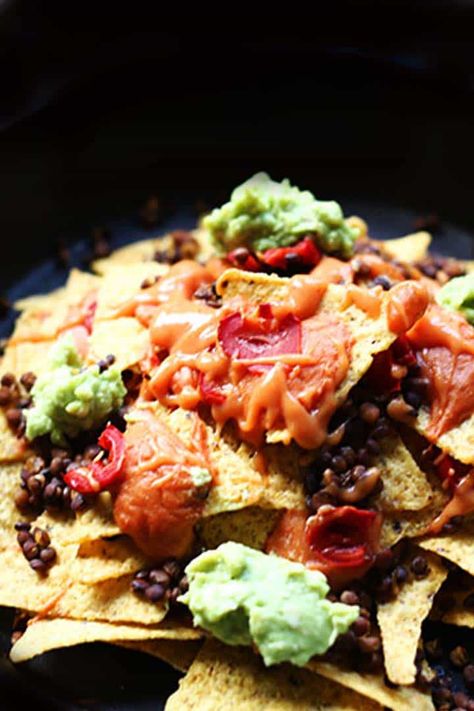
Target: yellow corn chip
{"x":135,"y":253}
{"x":21,"y":587}
{"x":9,"y":481}
{"x":12,"y":449}
{"x":410,"y":524}
{"x":103,"y":559}
{"x":91,"y":525}
{"x":27,"y":356}
{"x":458,"y":547}
{"x":371,"y":335}
{"x":405,"y":486}
{"x":121,"y":283}
{"x":460,"y":614}
{"x":222,"y":677}
{"x":123,"y":337}
{"x":180,"y":654}
{"x":400,"y":620}
{"x":250,"y":526}
{"x":44,"y":635}
{"x":411,"y":248}
{"x":239,"y":481}
{"x":44,"y":315}
{"x":405,"y":698}
{"x":458,"y":441}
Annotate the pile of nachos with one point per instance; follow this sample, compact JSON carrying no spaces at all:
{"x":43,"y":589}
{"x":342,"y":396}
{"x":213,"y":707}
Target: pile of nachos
{"x":248,"y":450}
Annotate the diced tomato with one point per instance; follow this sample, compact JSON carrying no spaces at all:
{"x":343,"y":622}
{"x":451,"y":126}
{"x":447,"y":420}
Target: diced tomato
{"x":158,"y":504}
{"x":242,"y":337}
{"x":343,"y":541}
{"x":306,"y":251}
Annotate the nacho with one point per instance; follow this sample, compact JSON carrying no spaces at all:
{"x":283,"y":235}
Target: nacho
{"x":400,"y":621}
{"x":411,"y":248}
{"x":220,"y":674}
{"x":373,"y":687}
{"x":45,"y":635}
{"x":457,"y":547}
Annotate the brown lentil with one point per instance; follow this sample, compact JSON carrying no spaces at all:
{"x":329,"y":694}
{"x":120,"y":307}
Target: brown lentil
{"x":36,"y":546}
{"x":166,"y":583}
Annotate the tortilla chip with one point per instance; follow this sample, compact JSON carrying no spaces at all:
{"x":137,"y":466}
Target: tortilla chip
{"x":23,"y":357}
{"x":121,"y":283}
{"x":44,"y":635}
{"x":123,"y":337}
{"x":135,"y":253}
{"x":400,"y":620}
{"x":411,"y":524}
{"x":458,"y":614}
{"x":100,"y":560}
{"x":111,"y":600}
{"x":405,"y":485}
{"x":223,"y":677}
{"x":373,"y":686}
{"x":179,"y":654}
{"x":44,"y":315}
{"x":21,"y":587}
{"x":250,"y":526}
{"x":95,"y":523}
{"x":411,"y":248}
{"x":371,"y":335}
{"x":40,"y":301}
{"x":12,"y":449}
{"x":239,"y":482}
{"x":458,"y":547}
{"x":458,"y":441}
{"x":9,"y":515}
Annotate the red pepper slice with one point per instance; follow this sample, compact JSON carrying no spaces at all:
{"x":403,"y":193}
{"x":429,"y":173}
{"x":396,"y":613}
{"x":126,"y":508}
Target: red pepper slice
{"x":306,"y":251}
{"x":262,"y":336}
{"x":99,"y":475}
{"x":343,"y":541}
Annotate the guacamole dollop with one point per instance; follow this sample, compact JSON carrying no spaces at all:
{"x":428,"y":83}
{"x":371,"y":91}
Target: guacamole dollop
{"x":244,"y":596}
{"x":69,"y":397}
{"x":263,"y":214}
{"x":458,"y":295}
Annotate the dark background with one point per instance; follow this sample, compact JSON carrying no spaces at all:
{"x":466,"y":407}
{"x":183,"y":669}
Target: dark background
{"x":104,"y":104}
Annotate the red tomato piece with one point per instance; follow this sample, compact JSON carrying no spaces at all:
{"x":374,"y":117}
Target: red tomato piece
{"x":242,"y":337}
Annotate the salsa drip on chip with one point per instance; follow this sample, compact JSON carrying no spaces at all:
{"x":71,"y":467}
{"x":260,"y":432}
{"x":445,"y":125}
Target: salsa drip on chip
{"x":273,"y":396}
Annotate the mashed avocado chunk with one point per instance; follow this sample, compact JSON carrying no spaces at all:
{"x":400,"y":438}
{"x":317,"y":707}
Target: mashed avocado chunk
{"x":69,"y":397}
{"x":263,"y":214}
{"x":458,"y":295}
{"x":243,"y":596}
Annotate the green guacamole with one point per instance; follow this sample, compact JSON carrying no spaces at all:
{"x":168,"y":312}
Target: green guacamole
{"x":243,"y":596}
{"x":458,"y":295}
{"x":263,"y":214}
{"x":69,"y":398}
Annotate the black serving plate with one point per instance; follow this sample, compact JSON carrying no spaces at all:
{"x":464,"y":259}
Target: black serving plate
{"x":101,"y":110}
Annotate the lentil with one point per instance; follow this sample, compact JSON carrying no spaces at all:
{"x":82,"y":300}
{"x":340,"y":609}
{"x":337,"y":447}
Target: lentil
{"x":36,"y":546}
{"x":166,"y":583}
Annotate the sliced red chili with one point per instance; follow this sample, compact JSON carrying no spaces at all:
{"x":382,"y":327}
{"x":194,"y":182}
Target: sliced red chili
{"x":100,"y":475}
{"x":343,"y":541}
{"x":262,"y":336}
{"x":306,"y":251}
